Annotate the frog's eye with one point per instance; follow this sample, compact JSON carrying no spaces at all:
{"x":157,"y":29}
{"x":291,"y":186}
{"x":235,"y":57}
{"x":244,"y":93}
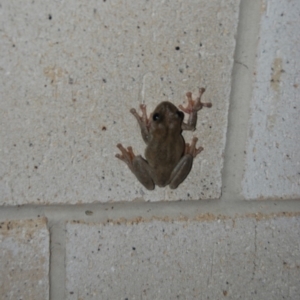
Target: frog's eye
{"x":156,"y":117}
{"x":180,"y":114}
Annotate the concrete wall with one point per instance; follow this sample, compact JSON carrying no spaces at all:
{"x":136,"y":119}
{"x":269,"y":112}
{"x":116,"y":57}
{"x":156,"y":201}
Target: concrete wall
{"x":76,"y":223}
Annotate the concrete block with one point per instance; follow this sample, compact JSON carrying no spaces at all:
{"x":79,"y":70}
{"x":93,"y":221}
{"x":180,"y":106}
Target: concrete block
{"x":273,"y":149}
{"x":24,"y":259}
{"x":70,"y":72}
{"x":250,"y":257}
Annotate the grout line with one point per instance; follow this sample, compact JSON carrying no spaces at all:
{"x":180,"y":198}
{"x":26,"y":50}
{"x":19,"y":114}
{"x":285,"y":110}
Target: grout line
{"x":57,"y":276}
{"x":57,"y":215}
{"x":241,"y":92}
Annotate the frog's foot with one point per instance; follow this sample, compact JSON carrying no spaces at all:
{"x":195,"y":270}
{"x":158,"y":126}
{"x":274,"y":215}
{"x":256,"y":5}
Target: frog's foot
{"x":194,"y":105}
{"x":143,"y":119}
{"x":191,"y":148}
{"x":126,"y":155}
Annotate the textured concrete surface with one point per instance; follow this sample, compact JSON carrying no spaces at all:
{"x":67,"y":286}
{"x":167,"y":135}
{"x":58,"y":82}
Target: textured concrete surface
{"x":24,"y":259}
{"x":273,"y":151}
{"x":69,"y":74}
{"x":205,"y":258}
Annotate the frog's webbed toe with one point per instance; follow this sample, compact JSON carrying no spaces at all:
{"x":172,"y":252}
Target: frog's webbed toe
{"x":192,"y":149}
{"x":126,"y":155}
{"x":195,"y":105}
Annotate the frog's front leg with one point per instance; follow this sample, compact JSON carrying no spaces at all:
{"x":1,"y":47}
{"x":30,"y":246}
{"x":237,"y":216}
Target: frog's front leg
{"x":138,"y":166}
{"x":143,"y":121}
{"x":192,"y":108}
{"x":185,"y":164}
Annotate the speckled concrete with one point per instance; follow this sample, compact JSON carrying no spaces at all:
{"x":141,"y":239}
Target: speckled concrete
{"x":24,"y":259}
{"x":240,"y":258}
{"x":69,"y":74}
{"x":273,"y":156}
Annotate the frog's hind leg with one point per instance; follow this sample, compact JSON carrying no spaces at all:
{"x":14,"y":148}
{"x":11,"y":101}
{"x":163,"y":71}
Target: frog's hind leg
{"x":142,"y":172}
{"x":181,"y":171}
{"x":138,"y":166}
{"x":184,"y":166}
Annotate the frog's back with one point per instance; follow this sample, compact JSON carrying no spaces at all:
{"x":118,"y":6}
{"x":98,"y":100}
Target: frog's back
{"x":163,"y":156}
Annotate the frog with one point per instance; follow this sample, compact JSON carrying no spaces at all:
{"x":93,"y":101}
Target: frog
{"x":168,"y":159}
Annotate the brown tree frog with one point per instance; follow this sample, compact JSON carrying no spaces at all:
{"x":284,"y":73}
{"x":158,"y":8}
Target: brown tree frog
{"x":168,"y":159}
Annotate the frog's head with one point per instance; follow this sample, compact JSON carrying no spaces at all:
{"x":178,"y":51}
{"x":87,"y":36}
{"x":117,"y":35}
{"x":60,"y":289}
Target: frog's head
{"x":166,"y":119}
